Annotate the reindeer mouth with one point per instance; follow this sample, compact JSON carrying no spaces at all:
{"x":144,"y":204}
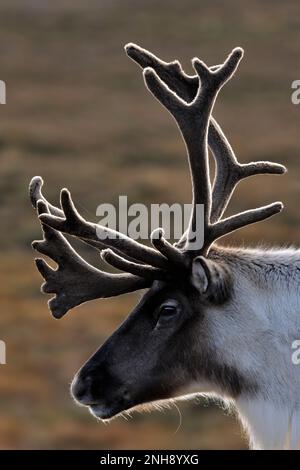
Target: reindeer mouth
{"x":106,"y":410}
{"x":106,"y":413}
{"x":101,"y":412}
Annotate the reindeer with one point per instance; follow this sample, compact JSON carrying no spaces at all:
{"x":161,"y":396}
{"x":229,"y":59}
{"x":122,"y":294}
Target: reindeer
{"x":214,"y":320}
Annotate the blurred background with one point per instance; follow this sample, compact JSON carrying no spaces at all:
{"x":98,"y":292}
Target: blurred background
{"x":79,"y":115}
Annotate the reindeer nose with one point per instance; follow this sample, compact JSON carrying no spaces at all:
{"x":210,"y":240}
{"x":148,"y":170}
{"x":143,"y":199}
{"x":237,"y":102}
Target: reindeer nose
{"x":81,"y":390}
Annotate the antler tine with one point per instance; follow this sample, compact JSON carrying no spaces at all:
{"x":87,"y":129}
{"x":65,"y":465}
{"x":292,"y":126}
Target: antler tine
{"x":36,"y":195}
{"x":173,"y":254}
{"x":74,"y":224}
{"x":193,"y":120}
{"x":229,"y":171}
{"x":141,"y":270}
{"x":171,"y":73}
{"x":237,"y":221}
{"x":75,"y":281}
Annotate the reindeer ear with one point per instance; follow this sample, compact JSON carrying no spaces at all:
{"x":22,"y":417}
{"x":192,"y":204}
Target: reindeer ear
{"x":211,"y":279}
{"x":200,"y":274}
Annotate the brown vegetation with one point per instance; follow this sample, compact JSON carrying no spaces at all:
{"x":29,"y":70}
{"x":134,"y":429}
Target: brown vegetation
{"x":78,"y":114}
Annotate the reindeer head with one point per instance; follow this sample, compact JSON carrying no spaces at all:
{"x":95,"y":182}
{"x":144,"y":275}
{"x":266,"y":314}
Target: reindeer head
{"x":164,"y":346}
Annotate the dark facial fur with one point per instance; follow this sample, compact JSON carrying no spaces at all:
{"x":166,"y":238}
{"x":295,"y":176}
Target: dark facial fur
{"x":158,"y":351}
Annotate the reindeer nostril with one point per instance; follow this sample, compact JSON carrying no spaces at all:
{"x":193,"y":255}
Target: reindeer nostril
{"x":126,"y":395}
{"x":80,"y":389}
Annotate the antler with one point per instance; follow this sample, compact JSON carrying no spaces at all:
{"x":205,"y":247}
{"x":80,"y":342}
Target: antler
{"x":74,"y":224}
{"x":69,"y":221}
{"x":75,"y":281}
{"x":228,"y":170}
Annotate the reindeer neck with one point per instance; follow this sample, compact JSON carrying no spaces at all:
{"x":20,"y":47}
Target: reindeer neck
{"x":262,"y":266}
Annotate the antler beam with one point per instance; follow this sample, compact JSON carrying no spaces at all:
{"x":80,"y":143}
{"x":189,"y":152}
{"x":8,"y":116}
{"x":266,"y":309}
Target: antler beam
{"x":35,"y":194}
{"x":193,"y":120}
{"x":228,"y":170}
{"x":74,"y":224}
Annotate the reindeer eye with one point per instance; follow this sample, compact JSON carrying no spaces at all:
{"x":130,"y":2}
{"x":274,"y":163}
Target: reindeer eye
{"x":166,"y":313}
{"x":168,"y":310}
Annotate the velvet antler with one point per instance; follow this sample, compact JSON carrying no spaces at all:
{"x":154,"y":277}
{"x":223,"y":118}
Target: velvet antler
{"x":190,"y":100}
{"x":75,"y":281}
{"x":186,"y":98}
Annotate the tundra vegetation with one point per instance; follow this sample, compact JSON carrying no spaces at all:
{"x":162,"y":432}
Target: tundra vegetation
{"x":68,"y":107}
